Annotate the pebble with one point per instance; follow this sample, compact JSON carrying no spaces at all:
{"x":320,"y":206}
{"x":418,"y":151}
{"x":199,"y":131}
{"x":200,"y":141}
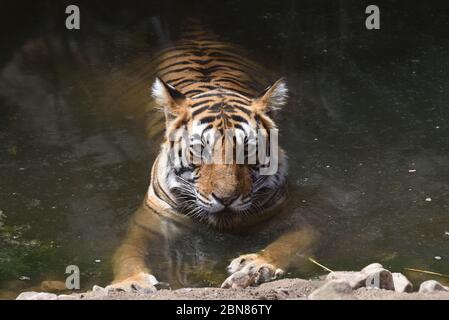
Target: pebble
{"x":372,"y":267}
{"x":96,"y":288}
{"x":354,"y":279}
{"x":284,"y":291}
{"x":401,"y":283}
{"x":332,"y":290}
{"x":380,"y":279}
{"x":430,"y":286}
{"x":372,"y":276}
{"x":32,"y":295}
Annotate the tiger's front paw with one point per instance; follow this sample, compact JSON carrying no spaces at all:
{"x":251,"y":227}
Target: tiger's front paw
{"x":251,"y":270}
{"x":139,"y":283}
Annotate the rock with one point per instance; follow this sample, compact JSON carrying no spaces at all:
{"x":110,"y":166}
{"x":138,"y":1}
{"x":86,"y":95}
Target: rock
{"x":380,"y":279}
{"x":332,"y":290}
{"x":401,"y":283}
{"x":372,"y":267}
{"x":162,"y":286}
{"x":431,"y":286}
{"x":96,"y":288}
{"x":354,"y":279}
{"x":375,"y":276}
{"x":372,"y":276}
{"x":32,"y":295}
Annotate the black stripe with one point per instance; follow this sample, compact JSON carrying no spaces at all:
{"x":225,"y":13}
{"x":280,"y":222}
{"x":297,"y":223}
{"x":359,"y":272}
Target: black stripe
{"x":237,"y":83}
{"x":193,"y":92}
{"x":183,"y":80}
{"x":181,"y":70}
{"x":173,"y":65}
{"x":208,"y":87}
{"x":198,"y":111}
{"x":207,"y":119}
{"x":216,"y":106}
{"x":246,"y":111}
{"x":238,"y":63}
{"x":197,"y":104}
{"x":208,"y":127}
{"x":203,"y":62}
{"x":179,"y":55}
{"x":242,"y":102}
{"x":227,"y":54}
{"x":238,"y":118}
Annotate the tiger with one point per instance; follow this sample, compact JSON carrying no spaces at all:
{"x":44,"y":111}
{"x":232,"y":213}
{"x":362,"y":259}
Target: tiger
{"x":203,"y":86}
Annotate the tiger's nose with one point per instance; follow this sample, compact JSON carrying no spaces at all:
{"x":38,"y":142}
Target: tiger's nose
{"x":226,"y":201}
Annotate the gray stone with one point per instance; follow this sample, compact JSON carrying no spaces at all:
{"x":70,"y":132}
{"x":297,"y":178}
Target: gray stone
{"x":372,"y":267}
{"x":96,"y":288}
{"x":380,"y":279}
{"x":32,"y":295}
{"x":401,"y":283}
{"x":431,"y":286}
{"x":332,"y":290}
{"x":354,"y":279}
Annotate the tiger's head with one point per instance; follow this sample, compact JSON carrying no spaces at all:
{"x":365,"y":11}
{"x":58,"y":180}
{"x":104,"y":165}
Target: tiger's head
{"x":202,"y":130}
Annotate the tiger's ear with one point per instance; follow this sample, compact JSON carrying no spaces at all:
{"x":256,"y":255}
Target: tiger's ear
{"x":272,"y":98}
{"x":167,"y":97}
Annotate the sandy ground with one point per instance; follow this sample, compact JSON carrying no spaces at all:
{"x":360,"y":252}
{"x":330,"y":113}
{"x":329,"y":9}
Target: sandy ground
{"x":298,"y":289}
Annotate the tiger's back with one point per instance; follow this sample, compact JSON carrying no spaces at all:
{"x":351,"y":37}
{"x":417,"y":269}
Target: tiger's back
{"x":199,"y":63}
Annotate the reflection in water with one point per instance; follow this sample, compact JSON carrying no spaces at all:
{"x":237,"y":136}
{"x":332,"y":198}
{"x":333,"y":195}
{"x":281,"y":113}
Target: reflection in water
{"x":368,"y":109}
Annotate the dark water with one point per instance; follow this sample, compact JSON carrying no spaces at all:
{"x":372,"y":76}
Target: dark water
{"x":368,"y":108}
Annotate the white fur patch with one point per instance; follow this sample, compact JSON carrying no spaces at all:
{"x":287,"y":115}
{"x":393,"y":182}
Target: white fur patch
{"x":159,"y":93}
{"x":277,"y":95}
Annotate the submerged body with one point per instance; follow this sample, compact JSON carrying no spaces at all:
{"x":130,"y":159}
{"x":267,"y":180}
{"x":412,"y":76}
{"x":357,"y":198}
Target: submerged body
{"x":205,"y":86}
